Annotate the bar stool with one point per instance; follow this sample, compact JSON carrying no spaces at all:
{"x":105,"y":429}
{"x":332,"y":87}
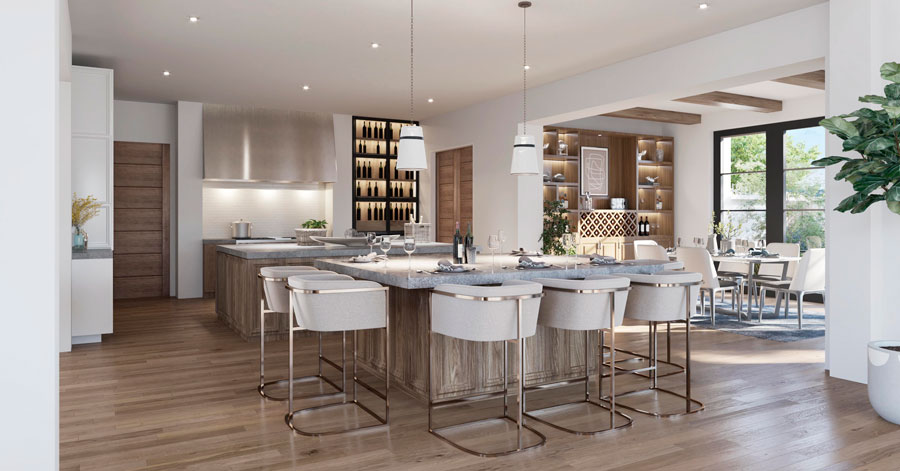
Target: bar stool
{"x":278,"y":301}
{"x":339,"y":304}
{"x":664,"y":297}
{"x":585,"y":305}
{"x":486,"y":314}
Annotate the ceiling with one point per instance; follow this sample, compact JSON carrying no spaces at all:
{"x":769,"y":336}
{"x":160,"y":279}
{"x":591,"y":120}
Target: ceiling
{"x":768,"y":89}
{"x":261,"y":52}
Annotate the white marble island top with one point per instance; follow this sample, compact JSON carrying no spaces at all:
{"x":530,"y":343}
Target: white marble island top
{"x":397,"y":274}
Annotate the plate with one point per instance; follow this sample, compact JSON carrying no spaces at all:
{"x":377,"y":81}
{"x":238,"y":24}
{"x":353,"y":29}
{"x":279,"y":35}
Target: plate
{"x":467,"y":270}
{"x":345,"y":241}
{"x":519,"y":267}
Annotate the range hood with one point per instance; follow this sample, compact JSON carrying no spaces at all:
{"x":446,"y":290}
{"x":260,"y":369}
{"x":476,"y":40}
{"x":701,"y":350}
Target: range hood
{"x":243,"y":143}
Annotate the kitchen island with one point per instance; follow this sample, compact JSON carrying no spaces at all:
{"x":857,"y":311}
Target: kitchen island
{"x":463,"y":368}
{"x":238,"y":288}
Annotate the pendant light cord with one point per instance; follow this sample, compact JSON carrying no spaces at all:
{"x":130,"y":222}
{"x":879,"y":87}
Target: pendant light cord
{"x":524,"y":72}
{"x":411,"y":62}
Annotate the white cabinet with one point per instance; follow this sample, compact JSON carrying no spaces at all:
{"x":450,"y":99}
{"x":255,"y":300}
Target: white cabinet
{"x":92,"y":147}
{"x":92,"y":299}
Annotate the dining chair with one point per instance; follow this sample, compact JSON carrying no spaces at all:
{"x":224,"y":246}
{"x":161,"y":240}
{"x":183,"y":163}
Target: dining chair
{"x":773,"y":271}
{"x":649,"y":250}
{"x":810,"y":279}
{"x":698,"y":260}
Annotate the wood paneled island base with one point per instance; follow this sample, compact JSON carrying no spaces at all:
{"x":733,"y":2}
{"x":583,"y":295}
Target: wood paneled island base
{"x":462,"y":368}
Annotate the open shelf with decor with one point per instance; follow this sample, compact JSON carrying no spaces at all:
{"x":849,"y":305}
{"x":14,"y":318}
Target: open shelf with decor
{"x":384,"y":198}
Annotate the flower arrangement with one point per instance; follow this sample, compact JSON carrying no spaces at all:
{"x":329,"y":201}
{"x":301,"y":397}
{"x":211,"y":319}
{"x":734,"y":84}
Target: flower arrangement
{"x":728,"y":230}
{"x":84,"y":209}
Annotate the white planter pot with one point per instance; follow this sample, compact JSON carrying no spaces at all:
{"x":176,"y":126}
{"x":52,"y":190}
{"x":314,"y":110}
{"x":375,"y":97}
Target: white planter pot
{"x":303,"y":235}
{"x":884,"y":379}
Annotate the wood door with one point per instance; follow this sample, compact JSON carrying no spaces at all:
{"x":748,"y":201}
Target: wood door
{"x":141,"y":220}
{"x":454,"y":190}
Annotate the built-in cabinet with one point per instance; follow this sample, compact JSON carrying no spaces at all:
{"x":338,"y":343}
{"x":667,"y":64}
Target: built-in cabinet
{"x":92,"y":299}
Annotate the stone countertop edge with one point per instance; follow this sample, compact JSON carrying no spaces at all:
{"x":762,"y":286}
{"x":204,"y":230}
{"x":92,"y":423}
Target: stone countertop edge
{"x":481,"y":277}
{"x":91,"y":254}
{"x":259,"y":251}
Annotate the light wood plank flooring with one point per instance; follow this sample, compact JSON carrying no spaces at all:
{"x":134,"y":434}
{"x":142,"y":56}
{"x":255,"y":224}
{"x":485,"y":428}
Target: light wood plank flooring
{"x":175,"y":389}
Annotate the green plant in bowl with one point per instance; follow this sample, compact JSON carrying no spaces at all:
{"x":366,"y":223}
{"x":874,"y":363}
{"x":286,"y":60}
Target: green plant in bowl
{"x":314,"y":224}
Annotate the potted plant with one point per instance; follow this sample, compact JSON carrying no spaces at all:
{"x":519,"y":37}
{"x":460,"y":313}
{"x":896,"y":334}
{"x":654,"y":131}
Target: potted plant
{"x":83,"y":210}
{"x":310,"y":228}
{"x":556,"y":223}
{"x":874,"y":134}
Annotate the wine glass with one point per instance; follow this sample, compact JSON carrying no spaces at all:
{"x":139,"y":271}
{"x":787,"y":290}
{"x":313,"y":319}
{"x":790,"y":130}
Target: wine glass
{"x":409,"y":246}
{"x":502,"y":236}
{"x":385,"y":248}
{"x":493,"y":244}
{"x":370,"y":240}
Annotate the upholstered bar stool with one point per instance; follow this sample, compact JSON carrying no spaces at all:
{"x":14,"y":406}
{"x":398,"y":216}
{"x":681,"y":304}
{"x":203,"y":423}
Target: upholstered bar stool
{"x":339,"y":304}
{"x":585,"y":305}
{"x":667,"y":296}
{"x":486,"y":314}
{"x":275,"y":300}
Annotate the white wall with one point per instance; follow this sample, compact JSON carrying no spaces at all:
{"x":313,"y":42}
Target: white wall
{"x":155,"y":123}
{"x":29,"y":198}
{"x":694,"y":157}
{"x":64,"y":178}
{"x":776,"y":47}
{"x":190,"y":200}
{"x":862,"y":253}
{"x":274,"y":210}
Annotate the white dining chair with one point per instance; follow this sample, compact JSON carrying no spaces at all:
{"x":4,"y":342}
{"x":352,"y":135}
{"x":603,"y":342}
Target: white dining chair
{"x":649,"y":250}
{"x":773,"y":271}
{"x":698,"y":260}
{"x":810,"y":279}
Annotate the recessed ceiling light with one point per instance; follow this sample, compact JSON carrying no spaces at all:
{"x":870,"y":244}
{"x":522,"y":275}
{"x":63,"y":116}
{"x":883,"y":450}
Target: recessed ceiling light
{"x":375,"y":45}
{"x":305,"y":87}
{"x":193,"y":19}
{"x":703,"y":5}
{"x":431,"y":100}
{"x":527,"y":67}
{"x":166,"y":73}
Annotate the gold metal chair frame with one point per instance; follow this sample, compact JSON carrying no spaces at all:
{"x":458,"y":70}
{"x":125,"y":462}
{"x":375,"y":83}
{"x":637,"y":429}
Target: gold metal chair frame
{"x":677,"y":368}
{"x":587,"y":378}
{"x":653,"y":369}
{"x":382,"y":421}
{"x":263,"y":384}
{"x":519,"y":420}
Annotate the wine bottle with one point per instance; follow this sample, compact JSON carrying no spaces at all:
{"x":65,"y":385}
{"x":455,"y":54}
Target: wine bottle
{"x":366,"y":133}
{"x":406,"y":216}
{"x":377,"y":147}
{"x":381,"y":170}
{"x":376,"y":189}
{"x":469,"y":241}
{"x":369,"y":212}
{"x":396,"y":172}
{"x":412,"y":190}
{"x":390,"y":190}
{"x":358,"y":212}
{"x":357,"y":169}
{"x":401,"y":191}
{"x":359,"y":146}
{"x":358,"y":191}
{"x":381,"y":131}
{"x":369,"y":189}
{"x":369,"y":171}
{"x":379,"y":213}
{"x":457,"y":245}
{"x":640,"y":227}
{"x":364,"y":147}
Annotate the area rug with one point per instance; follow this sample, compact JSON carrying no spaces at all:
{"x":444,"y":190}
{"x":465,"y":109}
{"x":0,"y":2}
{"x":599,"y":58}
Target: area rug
{"x":779,"y":328}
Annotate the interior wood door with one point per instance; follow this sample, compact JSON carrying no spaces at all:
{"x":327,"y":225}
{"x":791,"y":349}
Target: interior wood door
{"x":454,"y":190}
{"x":141,"y":220}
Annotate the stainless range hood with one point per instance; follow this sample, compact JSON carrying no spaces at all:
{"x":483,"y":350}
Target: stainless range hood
{"x":242,"y":143}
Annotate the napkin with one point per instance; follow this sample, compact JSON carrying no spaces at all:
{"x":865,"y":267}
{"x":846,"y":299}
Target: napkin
{"x":598,"y":259}
{"x":444,"y":265}
{"x":527,"y":262}
{"x":370,"y":257}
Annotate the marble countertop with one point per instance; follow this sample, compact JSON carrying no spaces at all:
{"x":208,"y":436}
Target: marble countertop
{"x":397,"y":274}
{"x":91,"y":254}
{"x":281,"y":250}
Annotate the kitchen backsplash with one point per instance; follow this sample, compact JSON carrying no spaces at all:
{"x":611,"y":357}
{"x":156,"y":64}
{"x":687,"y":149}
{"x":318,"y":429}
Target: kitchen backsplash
{"x":274,"y":210}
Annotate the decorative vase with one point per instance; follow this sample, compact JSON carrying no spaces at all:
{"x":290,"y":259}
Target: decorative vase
{"x":304,"y":236}
{"x":884,"y":379}
{"x":712,"y":244}
{"x":79,"y":238}
{"x":727,"y":244}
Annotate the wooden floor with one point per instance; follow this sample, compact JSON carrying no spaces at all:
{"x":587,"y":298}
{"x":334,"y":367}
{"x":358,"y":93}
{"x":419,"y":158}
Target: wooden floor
{"x":175,"y":389}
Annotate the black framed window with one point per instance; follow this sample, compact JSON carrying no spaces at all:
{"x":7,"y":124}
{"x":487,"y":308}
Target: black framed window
{"x":763,"y":181}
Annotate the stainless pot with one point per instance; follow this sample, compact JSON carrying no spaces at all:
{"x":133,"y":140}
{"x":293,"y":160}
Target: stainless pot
{"x":240,"y":229}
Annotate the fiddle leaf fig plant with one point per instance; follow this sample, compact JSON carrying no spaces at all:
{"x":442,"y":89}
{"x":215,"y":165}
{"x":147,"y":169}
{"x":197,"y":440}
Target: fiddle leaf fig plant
{"x":875,"y":135}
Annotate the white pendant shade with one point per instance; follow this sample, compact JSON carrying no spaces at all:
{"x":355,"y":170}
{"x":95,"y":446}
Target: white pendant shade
{"x":411,"y":155}
{"x":524,"y":158}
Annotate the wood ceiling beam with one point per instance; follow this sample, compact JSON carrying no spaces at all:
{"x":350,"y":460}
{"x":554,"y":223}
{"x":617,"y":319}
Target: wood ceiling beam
{"x":810,"y":79}
{"x":733,"y":101}
{"x":662,"y":116}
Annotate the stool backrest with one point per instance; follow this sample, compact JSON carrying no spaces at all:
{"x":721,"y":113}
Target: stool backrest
{"x":810,"y":274}
{"x":697,"y":260}
{"x":775,"y":269}
{"x":563,"y":308}
{"x":649,"y":252}
{"x":649,"y":302}
{"x":485,"y":320}
{"x":339,"y":303}
{"x":277,"y":298}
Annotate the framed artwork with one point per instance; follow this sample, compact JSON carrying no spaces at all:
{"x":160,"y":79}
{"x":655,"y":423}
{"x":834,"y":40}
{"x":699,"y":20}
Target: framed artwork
{"x":594,"y":171}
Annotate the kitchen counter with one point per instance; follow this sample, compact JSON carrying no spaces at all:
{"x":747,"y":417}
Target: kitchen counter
{"x":280,"y":250}
{"x":91,"y":254}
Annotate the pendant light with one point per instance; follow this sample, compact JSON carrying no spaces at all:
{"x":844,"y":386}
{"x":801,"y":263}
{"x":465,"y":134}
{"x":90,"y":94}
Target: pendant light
{"x":411,"y":155}
{"x":524,"y":158}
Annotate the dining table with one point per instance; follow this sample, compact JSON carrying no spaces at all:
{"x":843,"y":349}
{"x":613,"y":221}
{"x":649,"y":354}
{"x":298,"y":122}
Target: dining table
{"x":752,"y":261}
{"x":461,"y":368}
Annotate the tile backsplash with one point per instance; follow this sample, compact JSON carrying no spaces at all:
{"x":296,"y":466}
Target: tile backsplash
{"x":274,"y":210}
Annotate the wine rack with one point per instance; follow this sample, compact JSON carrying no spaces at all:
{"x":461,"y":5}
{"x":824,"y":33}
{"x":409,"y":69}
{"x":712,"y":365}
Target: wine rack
{"x":384,"y":198}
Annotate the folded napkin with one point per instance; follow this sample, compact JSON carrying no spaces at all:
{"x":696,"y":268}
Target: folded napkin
{"x":444,"y":265}
{"x":527,"y":262}
{"x":369,"y":257}
{"x":598,"y":259}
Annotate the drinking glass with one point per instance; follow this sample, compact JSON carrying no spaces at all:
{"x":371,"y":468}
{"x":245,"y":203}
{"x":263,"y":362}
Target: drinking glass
{"x":409,"y":246}
{"x":385,"y":248}
{"x":502,"y":236}
{"x":493,"y":244}
{"x":370,"y":239}
{"x":568,"y":242}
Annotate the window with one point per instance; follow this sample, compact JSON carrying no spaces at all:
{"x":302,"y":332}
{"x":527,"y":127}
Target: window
{"x":764,"y":182}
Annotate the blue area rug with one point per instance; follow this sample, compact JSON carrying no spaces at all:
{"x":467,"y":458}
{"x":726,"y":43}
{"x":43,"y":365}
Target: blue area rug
{"x":779,"y":328}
